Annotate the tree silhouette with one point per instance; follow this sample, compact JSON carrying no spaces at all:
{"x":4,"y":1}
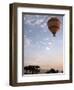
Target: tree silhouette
{"x":26,"y":68}
{"x":32,"y":69}
{"x":52,"y":71}
{"x":61,"y":71}
{"x":57,"y":71}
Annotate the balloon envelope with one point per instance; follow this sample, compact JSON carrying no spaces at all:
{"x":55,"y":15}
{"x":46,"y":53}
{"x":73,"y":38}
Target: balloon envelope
{"x":53,"y":25}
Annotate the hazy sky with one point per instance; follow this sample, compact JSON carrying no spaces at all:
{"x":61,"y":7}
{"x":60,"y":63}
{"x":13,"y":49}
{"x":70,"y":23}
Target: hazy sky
{"x":40,"y":47}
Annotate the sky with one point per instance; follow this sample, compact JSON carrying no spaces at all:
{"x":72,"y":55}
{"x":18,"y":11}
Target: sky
{"x":40,"y":47}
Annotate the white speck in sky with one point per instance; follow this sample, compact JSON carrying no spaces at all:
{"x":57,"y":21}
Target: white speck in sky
{"x":49,"y":43}
{"x":30,"y":30}
{"x":46,"y":39}
{"x":44,"y":30}
{"x":25,"y":36}
{"x":47,"y":48}
{"x":24,"y":18}
{"x":27,"y":42}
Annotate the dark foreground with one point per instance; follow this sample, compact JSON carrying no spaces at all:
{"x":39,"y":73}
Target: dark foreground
{"x":35,"y":69}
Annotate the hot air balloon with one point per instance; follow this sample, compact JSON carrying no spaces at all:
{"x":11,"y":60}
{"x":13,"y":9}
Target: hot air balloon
{"x":53,"y":25}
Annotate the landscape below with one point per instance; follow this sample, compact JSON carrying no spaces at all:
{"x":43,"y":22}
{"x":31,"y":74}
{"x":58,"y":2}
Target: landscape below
{"x":35,"y":69}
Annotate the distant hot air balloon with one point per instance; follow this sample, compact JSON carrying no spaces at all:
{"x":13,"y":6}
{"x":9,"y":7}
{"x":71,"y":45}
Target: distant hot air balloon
{"x":53,"y":25}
